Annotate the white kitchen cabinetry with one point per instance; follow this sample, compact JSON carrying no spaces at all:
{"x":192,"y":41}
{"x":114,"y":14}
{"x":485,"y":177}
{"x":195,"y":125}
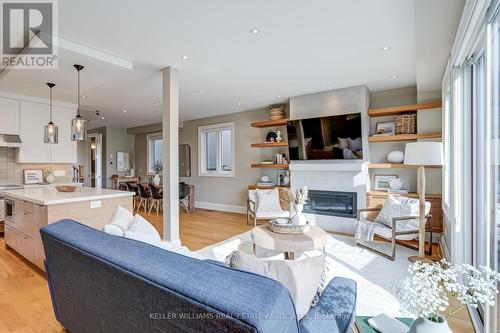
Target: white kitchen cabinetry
{"x":9,"y":116}
{"x":66,"y":150}
{"x":33,"y":117}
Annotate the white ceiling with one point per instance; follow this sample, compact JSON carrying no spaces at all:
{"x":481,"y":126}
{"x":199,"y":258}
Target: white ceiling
{"x":303,"y":47}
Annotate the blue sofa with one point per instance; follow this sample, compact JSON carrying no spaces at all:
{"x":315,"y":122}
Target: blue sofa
{"x":104,"y":283}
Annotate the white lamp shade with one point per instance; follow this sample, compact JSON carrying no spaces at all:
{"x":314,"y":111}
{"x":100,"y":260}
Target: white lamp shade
{"x":424,"y":152}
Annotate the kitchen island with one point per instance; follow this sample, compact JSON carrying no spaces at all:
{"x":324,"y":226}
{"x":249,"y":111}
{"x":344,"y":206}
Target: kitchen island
{"x":29,"y":209}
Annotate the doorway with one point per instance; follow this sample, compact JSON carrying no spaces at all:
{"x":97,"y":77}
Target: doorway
{"x":94,"y":154}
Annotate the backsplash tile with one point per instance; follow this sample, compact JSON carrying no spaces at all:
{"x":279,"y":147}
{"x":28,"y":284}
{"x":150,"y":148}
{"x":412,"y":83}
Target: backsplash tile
{"x":12,"y":172}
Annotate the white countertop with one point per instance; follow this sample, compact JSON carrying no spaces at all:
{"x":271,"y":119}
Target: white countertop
{"x":50,"y":196}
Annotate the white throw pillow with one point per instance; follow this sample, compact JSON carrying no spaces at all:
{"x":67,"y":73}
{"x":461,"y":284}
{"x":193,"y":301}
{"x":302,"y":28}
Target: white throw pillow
{"x":139,"y":224}
{"x":122,"y":218}
{"x":113,"y":229}
{"x":343,"y":142}
{"x":149,"y":238}
{"x":398,"y":207}
{"x":269,"y":201}
{"x":355,"y":144}
{"x":301,"y":277}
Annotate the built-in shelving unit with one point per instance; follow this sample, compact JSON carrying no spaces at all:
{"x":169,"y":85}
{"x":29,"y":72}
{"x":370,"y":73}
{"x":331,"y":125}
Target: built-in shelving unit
{"x":404,"y":137}
{"x":394,"y":110}
{"x":270,"y":144}
{"x":397,"y":166}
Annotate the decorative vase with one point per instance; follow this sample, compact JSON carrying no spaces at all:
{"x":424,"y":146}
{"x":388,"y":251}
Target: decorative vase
{"x":396,"y":156}
{"x":50,"y":178}
{"x":156,"y":179}
{"x":424,"y":325}
{"x":299,"y":218}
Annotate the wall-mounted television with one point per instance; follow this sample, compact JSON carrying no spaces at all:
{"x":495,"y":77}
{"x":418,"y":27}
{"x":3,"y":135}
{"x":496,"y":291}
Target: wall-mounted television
{"x":325,"y":138}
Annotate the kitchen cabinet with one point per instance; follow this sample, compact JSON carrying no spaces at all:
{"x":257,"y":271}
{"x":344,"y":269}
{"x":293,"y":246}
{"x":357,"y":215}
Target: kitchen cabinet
{"x":9,"y":113}
{"x":33,"y":117}
{"x":66,"y":150}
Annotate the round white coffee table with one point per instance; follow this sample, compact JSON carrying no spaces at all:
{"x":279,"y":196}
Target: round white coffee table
{"x":314,"y":239}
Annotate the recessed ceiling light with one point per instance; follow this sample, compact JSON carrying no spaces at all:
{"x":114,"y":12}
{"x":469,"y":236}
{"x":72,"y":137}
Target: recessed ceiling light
{"x":254,"y":31}
{"x":124,"y":111}
{"x":156,"y":103}
{"x":238,"y":103}
{"x":84,"y":96}
{"x":394,"y":77}
{"x":279,"y":96}
{"x":185,"y":57}
{"x":330,"y":87}
{"x":385,"y":48}
{"x":201,"y":92}
{"x":102,"y":118}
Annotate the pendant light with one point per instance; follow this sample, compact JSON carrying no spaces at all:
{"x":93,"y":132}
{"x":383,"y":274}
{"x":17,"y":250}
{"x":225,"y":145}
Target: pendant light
{"x":78,"y":124}
{"x":51,"y":134}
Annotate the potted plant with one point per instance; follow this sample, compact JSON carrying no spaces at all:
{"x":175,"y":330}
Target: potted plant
{"x":300,"y":199}
{"x":158,"y":167}
{"x":428,"y":289}
{"x":49,"y":175}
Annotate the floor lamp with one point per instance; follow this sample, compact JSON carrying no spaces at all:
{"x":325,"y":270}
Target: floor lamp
{"x":429,"y":154}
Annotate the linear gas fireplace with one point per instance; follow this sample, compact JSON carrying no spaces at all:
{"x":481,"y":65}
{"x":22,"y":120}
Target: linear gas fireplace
{"x":332,"y":203}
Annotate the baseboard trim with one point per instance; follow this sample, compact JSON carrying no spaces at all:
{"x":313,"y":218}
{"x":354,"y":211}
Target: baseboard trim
{"x":444,"y":247}
{"x":221,"y":207}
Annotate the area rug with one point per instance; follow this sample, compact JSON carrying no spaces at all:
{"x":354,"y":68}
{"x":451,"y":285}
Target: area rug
{"x":374,"y":274}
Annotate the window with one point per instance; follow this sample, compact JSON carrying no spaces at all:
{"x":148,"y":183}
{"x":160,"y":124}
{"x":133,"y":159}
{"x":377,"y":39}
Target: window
{"x":155,"y":152}
{"x":216,"y":150}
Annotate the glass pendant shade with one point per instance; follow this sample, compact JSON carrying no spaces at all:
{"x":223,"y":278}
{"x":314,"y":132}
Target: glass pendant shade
{"x":51,"y":134}
{"x":78,"y":129}
{"x":78,"y":124}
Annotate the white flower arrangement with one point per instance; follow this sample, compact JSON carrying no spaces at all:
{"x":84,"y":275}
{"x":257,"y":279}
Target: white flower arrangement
{"x":428,"y":290}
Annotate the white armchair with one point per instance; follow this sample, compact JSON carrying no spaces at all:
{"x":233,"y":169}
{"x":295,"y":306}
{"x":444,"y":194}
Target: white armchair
{"x":253,"y":208}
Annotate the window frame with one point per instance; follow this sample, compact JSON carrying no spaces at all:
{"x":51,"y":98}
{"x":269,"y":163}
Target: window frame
{"x":202,"y":172}
{"x":149,"y":137}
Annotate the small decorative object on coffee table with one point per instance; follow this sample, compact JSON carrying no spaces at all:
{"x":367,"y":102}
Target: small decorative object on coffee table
{"x":285,"y":226}
{"x":428,"y":290}
{"x":298,"y":204}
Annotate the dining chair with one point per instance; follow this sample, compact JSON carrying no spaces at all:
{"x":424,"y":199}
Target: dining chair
{"x":144,"y":199}
{"x":136,"y":197}
{"x":156,"y":199}
{"x":183,"y":195}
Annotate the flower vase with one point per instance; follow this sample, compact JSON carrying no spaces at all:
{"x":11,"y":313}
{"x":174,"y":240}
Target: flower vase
{"x":156,"y":180}
{"x":424,"y":325}
{"x":299,"y":218}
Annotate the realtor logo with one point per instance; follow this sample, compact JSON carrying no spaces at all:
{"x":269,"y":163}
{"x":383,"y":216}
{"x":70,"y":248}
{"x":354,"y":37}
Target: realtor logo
{"x":28,"y":34}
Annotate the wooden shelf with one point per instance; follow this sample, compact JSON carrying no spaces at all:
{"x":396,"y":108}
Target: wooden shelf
{"x":403,"y":109}
{"x":404,"y":137}
{"x":270,"y":123}
{"x":255,"y":186}
{"x":398,"y":166}
{"x":270,"y":144}
{"x":410,"y":195}
{"x":270,"y":166}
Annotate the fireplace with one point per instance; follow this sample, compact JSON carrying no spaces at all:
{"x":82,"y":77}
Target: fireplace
{"x":332,"y":203}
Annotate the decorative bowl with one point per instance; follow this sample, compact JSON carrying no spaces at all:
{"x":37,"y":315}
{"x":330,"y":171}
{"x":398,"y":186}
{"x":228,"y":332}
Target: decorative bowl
{"x":66,"y":188}
{"x":287,"y":228}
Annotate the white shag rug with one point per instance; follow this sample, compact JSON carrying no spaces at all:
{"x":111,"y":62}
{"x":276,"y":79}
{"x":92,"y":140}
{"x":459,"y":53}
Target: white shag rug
{"x":373,"y":273}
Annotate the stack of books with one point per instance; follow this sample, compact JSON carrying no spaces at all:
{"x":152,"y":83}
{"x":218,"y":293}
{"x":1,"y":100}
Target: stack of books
{"x":265,"y":184}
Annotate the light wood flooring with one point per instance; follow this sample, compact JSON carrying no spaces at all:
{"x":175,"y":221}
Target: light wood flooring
{"x":25,"y":305}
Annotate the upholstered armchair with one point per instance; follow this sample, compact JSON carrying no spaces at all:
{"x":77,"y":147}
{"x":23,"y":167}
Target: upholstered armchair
{"x":254,"y":214}
{"x":402,"y":228}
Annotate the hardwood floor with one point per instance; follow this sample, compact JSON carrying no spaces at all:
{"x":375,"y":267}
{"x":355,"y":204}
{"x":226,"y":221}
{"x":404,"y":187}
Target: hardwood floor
{"x":25,"y":305}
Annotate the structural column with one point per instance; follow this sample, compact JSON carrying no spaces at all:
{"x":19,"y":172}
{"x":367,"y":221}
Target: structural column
{"x":171,"y":154}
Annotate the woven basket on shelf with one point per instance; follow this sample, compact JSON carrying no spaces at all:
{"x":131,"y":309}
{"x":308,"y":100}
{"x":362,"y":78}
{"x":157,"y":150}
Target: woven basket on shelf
{"x":406,"y":124}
